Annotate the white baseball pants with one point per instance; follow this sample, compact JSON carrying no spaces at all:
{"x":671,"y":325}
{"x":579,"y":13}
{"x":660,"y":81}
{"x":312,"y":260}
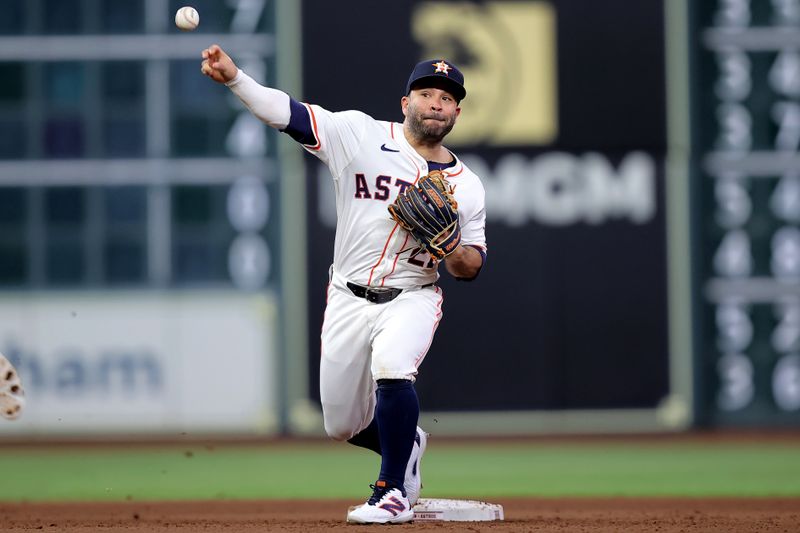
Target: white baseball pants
{"x":363,"y":342}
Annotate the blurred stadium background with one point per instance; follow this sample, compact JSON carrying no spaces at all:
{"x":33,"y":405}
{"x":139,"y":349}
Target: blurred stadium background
{"x":163,"y":255}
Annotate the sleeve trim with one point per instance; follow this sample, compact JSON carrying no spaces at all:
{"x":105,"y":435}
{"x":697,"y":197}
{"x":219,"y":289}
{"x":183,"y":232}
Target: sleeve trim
{"x":314,"y":129}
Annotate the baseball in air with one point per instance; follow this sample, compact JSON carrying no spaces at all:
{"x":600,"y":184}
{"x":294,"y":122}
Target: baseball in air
{"x":187,"y":18}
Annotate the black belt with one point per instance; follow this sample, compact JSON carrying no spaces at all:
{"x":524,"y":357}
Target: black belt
{"x":377,"y":295}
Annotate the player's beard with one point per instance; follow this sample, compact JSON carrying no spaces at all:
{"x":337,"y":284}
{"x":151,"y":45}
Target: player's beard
{"x":429,"y":131}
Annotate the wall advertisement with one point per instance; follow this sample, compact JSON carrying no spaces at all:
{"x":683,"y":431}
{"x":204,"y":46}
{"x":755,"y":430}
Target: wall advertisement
{"x":160,"y":363}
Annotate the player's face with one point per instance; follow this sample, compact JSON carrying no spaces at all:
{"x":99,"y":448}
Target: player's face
{"x":430,"y":113}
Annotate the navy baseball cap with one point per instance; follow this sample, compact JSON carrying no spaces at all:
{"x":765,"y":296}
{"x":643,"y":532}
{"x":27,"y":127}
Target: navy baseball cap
{"x":433,"y":71}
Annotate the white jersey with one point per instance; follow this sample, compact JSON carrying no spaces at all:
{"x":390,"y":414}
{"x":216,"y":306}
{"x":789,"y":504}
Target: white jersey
{"x":371,"y":163}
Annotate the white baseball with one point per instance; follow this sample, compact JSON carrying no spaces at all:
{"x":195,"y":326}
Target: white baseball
{"x":187,"y":18}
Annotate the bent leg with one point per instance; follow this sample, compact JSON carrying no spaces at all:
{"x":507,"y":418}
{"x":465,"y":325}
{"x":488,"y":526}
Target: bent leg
{"x":347,"y":391}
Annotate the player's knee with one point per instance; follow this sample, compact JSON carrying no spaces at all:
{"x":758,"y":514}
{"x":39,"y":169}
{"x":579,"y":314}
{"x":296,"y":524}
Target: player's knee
{"x":339,"y":431}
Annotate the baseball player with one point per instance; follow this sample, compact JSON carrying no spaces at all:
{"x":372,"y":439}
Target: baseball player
{"x":383,"y":306}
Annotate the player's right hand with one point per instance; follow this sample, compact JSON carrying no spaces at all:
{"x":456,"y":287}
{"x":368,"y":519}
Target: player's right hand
{"x":218,"y":65}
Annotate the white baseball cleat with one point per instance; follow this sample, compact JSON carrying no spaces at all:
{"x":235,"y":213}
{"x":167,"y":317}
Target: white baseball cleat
{"x":385,"y":506}
{"x":12,"y":396}
{"x":413,"y":479}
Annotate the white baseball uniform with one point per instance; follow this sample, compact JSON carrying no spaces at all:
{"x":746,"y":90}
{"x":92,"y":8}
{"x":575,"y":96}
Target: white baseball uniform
{"x":371,"y":163}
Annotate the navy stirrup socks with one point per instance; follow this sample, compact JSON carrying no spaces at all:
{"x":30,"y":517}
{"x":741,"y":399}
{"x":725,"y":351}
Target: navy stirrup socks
{"x":397,"y":413}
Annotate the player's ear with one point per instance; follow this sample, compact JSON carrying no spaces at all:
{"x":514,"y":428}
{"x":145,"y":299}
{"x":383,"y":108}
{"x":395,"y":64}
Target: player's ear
{"x":404,"y":104}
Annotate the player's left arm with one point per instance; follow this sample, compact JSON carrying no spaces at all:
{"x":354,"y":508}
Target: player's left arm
{"x":465,"y":262}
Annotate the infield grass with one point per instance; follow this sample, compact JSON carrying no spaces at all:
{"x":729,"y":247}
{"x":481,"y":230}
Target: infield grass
{"x":334,"y":470}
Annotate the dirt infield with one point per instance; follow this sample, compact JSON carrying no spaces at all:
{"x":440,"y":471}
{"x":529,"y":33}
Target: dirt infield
{"x":522,"y":515}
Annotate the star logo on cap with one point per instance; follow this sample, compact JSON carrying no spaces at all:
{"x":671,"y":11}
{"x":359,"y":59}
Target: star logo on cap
{"x":443,"y":67}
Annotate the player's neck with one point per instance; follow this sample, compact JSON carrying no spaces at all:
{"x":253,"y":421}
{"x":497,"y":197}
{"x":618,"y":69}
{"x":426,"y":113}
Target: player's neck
{"x":431,"y":151}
